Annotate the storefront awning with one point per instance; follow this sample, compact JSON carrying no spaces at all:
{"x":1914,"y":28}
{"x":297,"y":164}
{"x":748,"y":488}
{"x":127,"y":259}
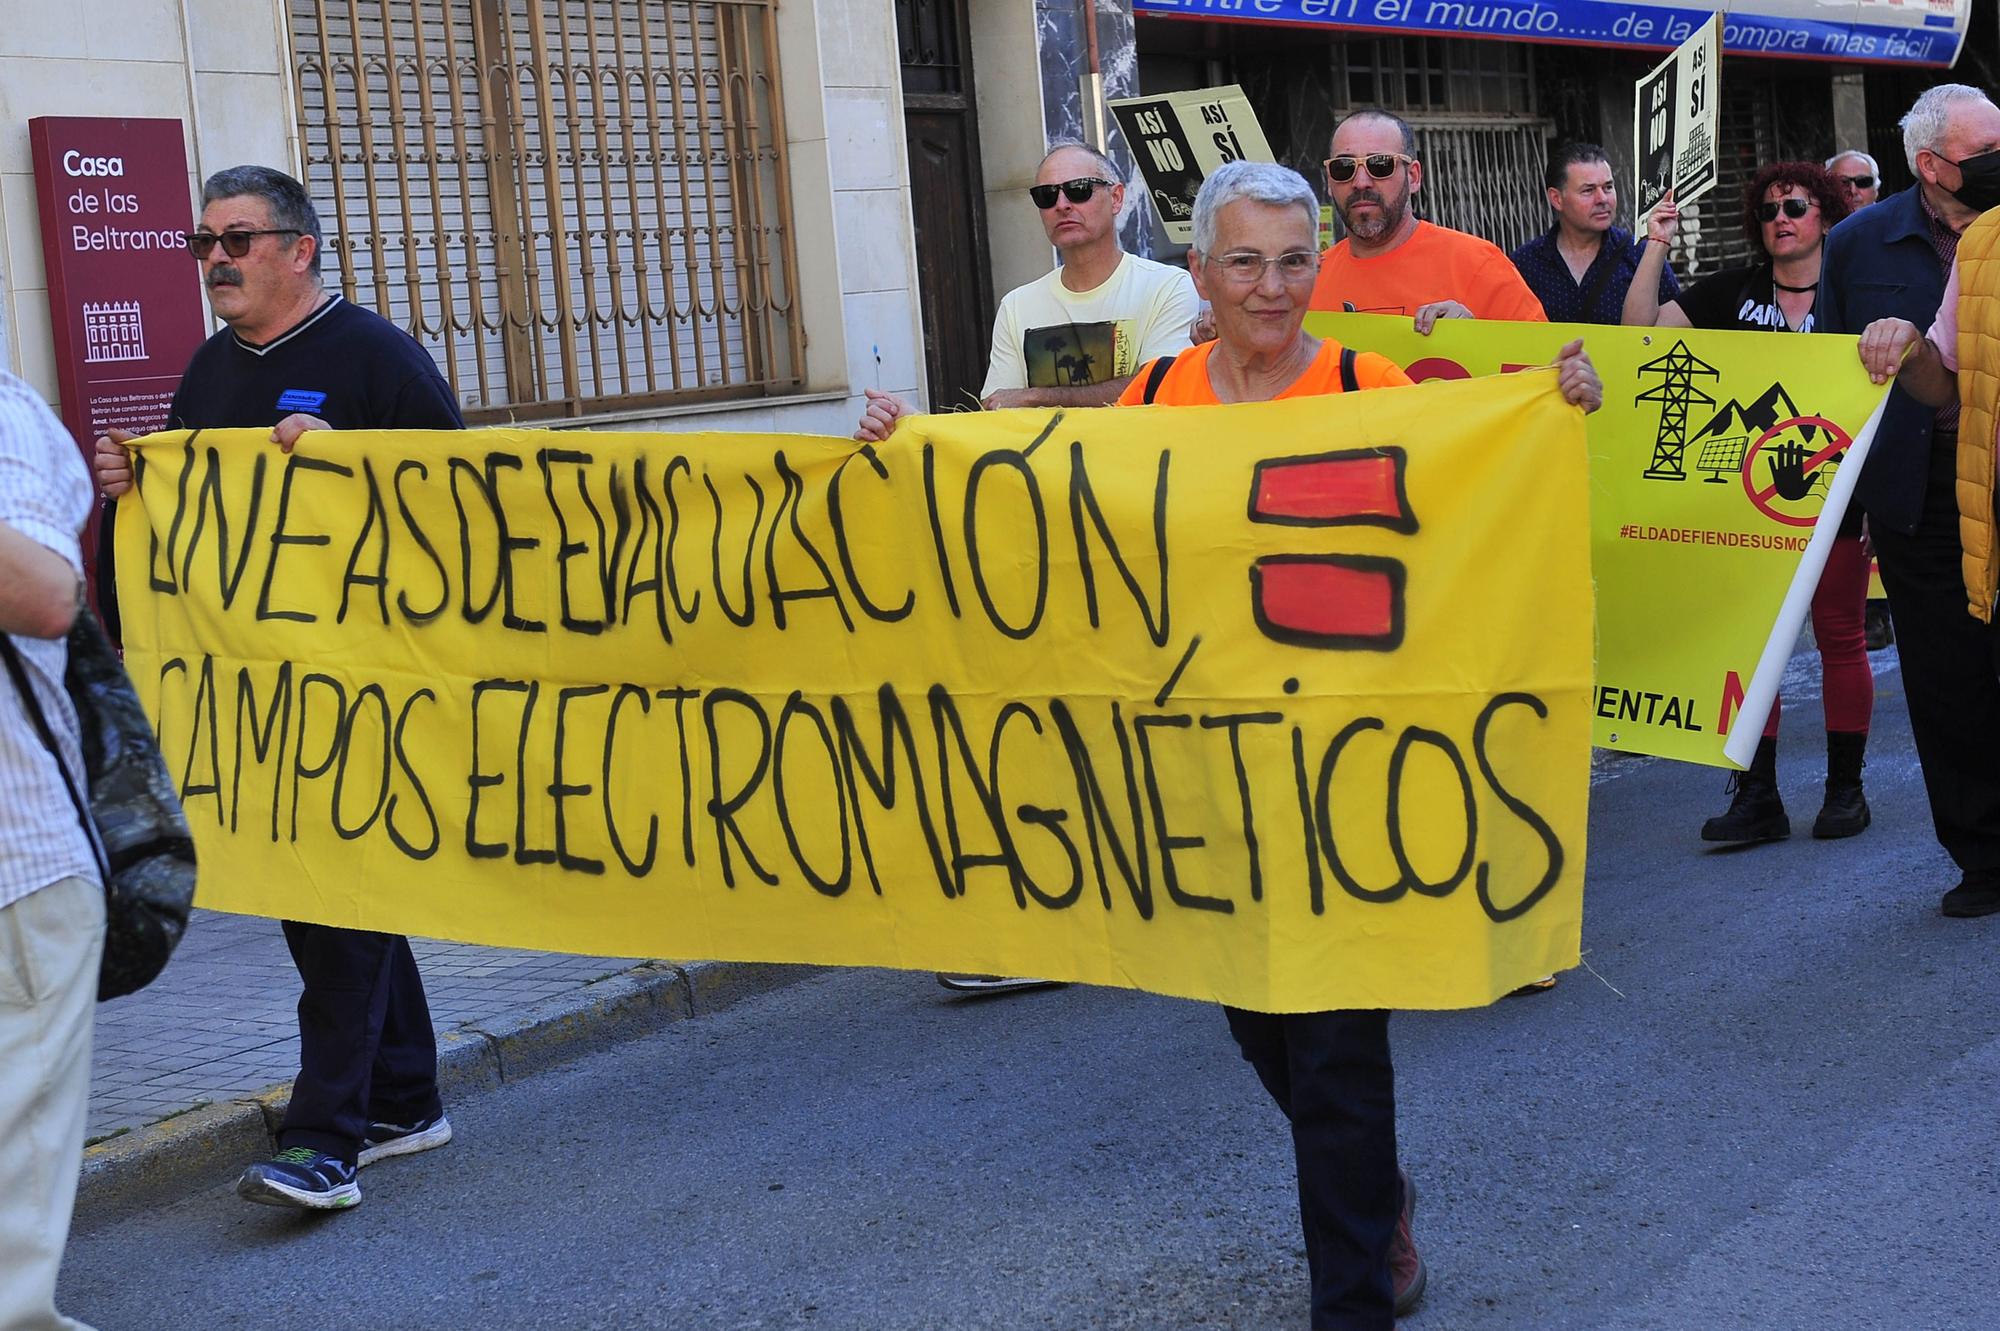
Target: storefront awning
{"x":1884,"y":32}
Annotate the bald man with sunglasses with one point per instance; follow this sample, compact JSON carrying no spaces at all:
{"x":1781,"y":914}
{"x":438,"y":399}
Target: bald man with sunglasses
{"x":1073,"y":338}
{"x":1393,"y":262}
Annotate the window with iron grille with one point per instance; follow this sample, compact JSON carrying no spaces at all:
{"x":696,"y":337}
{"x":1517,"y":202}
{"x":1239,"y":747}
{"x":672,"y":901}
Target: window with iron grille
{"x":578,"y":206}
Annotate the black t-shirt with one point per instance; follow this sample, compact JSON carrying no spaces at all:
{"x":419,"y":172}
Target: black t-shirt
{"x":1737,"y":298}
{"x":348,"y":366}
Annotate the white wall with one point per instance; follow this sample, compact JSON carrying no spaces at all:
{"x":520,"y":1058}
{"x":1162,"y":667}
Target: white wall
{"x":1007,"y":72}
{"x":221,"y":68}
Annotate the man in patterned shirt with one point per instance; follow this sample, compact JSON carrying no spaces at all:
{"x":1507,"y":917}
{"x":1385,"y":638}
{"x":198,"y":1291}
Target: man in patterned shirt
{"x":51,"y":898}
{"x":1580,"y":268}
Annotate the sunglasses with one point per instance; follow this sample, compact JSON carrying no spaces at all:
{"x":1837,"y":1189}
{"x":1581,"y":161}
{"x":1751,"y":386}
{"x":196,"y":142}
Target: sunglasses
{"x":1341,"y":169}
{"x":1793,"y":208}
{"x":1076,"y":191}
{"x":1857,"y":182}
{"x":235,"y":244}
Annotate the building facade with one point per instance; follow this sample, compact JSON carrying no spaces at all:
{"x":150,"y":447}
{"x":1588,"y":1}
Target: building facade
{"x":739,"y":214}
{"x":640,"y":212}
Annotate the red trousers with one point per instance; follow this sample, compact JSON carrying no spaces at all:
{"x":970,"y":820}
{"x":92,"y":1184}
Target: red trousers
{"x":1839,"y":605}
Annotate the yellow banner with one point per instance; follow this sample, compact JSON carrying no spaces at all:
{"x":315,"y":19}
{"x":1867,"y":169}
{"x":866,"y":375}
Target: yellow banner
{"x":1708,"y":465}
{"x":1285,"y":705}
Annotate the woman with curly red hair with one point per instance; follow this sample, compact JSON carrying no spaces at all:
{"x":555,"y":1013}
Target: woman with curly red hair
{"x":1787,"y":211}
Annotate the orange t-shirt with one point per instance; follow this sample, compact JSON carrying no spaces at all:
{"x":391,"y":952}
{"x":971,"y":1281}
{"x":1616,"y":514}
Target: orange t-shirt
{"x":1435,"y":263}
{"x":1186,"y":382}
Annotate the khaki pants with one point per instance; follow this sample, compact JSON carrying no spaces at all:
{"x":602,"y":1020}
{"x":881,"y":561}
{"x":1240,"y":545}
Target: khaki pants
{"x":50,"y":942}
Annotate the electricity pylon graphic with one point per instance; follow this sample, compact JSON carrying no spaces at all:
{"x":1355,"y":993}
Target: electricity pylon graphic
{"x":1675,"y":394}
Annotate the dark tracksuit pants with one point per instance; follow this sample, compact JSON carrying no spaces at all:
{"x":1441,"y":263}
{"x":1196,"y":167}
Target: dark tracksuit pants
{"x":366,"y":1048}
{"x":1951,"y":672}
{"x":1330,"y":1073}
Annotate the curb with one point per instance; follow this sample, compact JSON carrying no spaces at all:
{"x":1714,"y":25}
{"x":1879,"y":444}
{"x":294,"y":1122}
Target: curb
{"x":203,"y":1146}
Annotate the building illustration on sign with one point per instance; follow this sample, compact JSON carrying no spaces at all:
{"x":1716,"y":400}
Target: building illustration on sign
{"x":113,"y":330}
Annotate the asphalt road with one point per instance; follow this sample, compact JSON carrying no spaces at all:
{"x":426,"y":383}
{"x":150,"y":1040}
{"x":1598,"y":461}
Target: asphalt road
{"x":1776,"y":1109}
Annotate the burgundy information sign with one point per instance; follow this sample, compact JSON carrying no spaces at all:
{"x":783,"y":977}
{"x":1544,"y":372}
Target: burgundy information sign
{"x":124,"y":297}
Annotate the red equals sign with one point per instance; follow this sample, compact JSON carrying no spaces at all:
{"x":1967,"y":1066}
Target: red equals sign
{"x":1334,"y":602}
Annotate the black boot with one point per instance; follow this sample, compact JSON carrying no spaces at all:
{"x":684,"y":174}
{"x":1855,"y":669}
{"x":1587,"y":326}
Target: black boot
{"x":1755,"y":813}
{"x":1845,"y":812}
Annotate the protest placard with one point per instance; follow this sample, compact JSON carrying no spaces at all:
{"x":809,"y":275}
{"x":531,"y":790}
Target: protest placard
{"x":1676,"y":121}
{"x":1284,"y":704}
{"x":1180,"y":137}
{"x":1710,"y":464}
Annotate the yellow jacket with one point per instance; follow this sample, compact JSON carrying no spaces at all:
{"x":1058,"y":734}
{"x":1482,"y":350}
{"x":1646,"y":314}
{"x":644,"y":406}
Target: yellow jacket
{"x":1979,"y":397}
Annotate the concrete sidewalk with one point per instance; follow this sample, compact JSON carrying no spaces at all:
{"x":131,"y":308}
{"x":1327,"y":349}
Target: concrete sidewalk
{"x":189,"y":1075}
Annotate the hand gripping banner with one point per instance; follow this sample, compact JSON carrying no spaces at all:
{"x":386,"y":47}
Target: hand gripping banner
{"x":1286,"y":705}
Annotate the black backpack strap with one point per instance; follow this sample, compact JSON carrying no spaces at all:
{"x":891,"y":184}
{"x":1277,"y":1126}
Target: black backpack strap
{"x":1155,"y":375}
{"x":1349,"y":381}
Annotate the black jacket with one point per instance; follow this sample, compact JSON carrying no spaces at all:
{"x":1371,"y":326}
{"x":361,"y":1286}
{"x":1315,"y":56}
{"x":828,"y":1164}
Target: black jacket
{"x":1880,"y":264}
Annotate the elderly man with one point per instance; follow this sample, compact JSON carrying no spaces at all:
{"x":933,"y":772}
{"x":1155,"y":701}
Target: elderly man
{"x":1073,"y":337}
{"x":1859,"y":177}
{"x":1254,"y":259}
{"x":1581,"y":267}
{"x":1890,"y":262}
{"x":51,"y":897}
{"x":296,"y":357}
{"x":1391,"y":261}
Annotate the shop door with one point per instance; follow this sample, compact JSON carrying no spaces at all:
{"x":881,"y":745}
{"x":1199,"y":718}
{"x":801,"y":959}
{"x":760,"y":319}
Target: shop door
{"x":948,"y":198}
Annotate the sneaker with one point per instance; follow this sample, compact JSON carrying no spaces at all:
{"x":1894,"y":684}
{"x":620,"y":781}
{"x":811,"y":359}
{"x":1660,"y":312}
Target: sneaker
{"x":387,"y":1139}
{"x":1407,"y":1272}
{"x":1541,"y":986}
{"x":301,"y":1177}
{"x":991,"y":984}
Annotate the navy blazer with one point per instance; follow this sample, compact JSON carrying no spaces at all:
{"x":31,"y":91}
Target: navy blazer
{"x":1880,"y":264}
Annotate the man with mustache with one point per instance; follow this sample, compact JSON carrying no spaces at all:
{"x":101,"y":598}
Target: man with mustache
{"x":297,"y":357}
{"x":1391,"y":261}
{"x":1580,"y":268}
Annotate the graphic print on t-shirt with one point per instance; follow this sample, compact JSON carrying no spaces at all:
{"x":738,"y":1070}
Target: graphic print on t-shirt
{"x":1076,"y":355}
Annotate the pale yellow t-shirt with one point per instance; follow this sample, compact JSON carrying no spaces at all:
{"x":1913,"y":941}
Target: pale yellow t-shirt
{"x":1047,"y":336}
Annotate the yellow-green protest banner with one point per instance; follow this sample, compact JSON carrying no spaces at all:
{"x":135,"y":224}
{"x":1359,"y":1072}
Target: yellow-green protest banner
{"x":1710,"y":461}
{"x":1285,"y":705}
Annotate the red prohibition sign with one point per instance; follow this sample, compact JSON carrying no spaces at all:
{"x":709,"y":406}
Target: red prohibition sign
{"x":1838,"y":440}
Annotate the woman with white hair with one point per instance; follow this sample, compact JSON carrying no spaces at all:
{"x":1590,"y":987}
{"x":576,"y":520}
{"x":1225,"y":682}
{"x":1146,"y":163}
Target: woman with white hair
{"x":1255,"y":259}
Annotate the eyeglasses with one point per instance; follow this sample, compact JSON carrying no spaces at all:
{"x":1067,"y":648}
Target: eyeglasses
{"x":1857,"y":182}
{"x":1076,"y":191}
{"x":235,"y":244}
{"x":1245,"y":268}
{"x":1794,"y":208}
{"x":1340,"y":169}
